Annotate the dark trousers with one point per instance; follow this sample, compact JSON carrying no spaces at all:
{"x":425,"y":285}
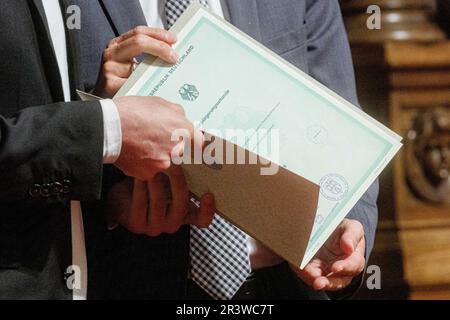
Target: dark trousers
{"x":274,"y":283}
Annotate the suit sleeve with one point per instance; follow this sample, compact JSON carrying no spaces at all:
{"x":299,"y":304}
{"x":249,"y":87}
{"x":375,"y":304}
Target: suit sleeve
{"x":330,"y":62}
{"x":52,"y":152}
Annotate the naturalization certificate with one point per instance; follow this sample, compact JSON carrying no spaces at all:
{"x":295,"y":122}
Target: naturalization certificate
{"x":227,"y":81}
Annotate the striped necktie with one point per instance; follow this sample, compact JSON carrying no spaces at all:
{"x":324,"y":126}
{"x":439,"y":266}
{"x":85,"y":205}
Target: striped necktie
{"x":220,"y":262}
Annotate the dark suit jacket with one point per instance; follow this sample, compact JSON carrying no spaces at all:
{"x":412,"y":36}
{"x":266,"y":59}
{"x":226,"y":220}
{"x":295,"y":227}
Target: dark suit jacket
{"x":50,"y":153}
{"x":308,"y":33}
{"x":63,"y":143}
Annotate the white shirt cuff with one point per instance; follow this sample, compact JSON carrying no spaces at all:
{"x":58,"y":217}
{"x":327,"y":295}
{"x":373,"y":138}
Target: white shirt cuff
{"x":112,"y":141}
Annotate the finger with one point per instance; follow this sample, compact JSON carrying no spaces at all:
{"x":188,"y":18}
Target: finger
{"x":158,"y":205}
{"x":156,"y":33}
{"x":180,"y":199}
{"x":351,"y":236}
{"x":137,"y":220}
{"x":113,"y":84}
{"x":137,"y":45}
{"x":310,"y":273}
{"x":352,"y":265}
{"x":118,"y":69}
{"x":334,"y":283}
{"x":205,"y":214}
{"x":321,"y":283}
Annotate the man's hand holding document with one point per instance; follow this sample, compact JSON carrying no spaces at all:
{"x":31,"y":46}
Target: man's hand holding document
{"x":286,"y":158}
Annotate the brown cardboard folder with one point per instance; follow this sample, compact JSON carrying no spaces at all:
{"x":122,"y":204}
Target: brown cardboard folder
{"x":278,"y":210}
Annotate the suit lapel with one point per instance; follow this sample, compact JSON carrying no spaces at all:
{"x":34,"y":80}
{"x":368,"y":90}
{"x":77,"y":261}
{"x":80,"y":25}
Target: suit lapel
{"x":73,"y":52}
{"x":40,"y":9}
{"x":123,"y":15}
{"x":245,"y":16}
{"x":47,"y":50}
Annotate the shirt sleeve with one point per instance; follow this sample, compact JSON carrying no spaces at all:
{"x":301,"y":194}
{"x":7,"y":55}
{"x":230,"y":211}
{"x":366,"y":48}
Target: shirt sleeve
{"x":112,"y":138}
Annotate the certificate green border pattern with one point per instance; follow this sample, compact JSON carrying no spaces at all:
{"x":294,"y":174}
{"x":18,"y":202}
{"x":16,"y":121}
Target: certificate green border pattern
{"x":146,"y":87}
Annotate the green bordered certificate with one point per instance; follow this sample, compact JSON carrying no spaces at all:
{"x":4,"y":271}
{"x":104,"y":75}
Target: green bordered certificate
{"x":227,"y":81}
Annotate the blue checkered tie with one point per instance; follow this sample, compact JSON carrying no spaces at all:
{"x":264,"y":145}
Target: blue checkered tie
{"x":220,"y":262}
{"x":219,"y":259}
{"x":175,"y":8}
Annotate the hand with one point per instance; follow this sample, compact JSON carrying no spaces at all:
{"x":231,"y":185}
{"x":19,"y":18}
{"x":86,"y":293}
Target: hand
{"x":161,"y":205}
{"x":148,"y":124}
{"x":119,"y":58}
{"x":339,"y":261}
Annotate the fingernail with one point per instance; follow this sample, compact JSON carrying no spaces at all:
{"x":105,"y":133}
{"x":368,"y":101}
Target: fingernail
{"x":174,"y":56}
{"x":320,"y":286}
{"x":339,"y":269}
{"x":171,"y":37}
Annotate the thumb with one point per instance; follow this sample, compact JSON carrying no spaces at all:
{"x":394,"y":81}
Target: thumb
{"x":348,"y":243}
{"x":352,"y":234}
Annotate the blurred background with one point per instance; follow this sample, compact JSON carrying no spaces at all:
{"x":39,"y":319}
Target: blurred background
{"x":403,"y":77}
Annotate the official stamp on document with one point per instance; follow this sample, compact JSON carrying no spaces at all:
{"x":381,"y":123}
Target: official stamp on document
{"x":334,"y":187}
